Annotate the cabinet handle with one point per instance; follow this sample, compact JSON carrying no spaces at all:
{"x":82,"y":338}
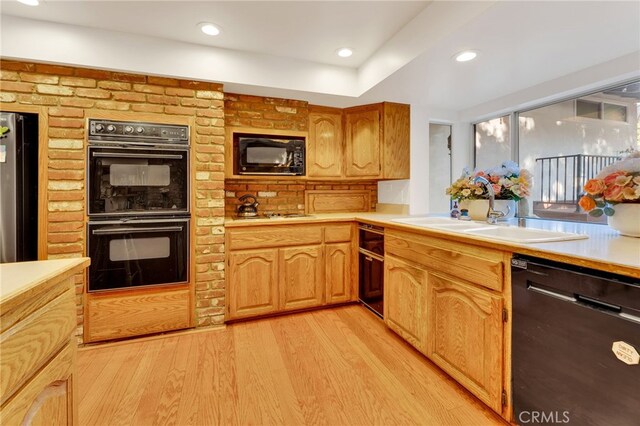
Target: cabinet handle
{"x":370,"y":259}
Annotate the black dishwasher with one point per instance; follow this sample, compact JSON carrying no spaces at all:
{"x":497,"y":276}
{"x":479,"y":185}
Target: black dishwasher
{"x":576,"y":338}
{"x":371,"y":261}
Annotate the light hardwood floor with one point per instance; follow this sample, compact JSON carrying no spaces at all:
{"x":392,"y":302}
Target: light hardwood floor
{"x":338,"y":366}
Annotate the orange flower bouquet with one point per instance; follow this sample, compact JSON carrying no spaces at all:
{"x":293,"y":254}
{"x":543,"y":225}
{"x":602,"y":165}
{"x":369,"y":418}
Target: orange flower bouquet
{"x":618,"y":183}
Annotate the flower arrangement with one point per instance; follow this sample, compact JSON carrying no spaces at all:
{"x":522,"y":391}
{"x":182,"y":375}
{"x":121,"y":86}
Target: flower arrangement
{"x":509,"y":182}
{"x":617,"y":183}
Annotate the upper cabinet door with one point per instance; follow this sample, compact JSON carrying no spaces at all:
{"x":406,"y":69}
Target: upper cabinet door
{"x":363,"y":143}
{"x":325,"y":156}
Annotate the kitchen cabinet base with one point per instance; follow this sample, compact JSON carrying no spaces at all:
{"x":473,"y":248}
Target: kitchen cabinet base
{"x":122,"y":314}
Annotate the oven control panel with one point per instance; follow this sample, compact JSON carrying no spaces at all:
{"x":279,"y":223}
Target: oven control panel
{"x":108,"y":130}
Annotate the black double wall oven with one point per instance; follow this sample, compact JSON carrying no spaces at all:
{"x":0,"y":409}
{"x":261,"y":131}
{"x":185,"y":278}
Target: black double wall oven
{"x":138,"y":205}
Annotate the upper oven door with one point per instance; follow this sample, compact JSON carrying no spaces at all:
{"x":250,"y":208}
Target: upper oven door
{"x":138,"y":253}
{"x":133,"y":181}
{"x":258,"y":155}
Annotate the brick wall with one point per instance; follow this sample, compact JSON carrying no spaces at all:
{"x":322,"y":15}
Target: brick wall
{"x":265,"y":113}
{"x":286,"y":196}
{"x":70,"y":95}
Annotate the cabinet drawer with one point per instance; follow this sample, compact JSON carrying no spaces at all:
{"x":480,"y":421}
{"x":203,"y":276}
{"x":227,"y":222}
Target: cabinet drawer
{"x":337,"y":233}
{"x":274,"y":236}
{"x":30,"y":343}
{"x":475,"y":264}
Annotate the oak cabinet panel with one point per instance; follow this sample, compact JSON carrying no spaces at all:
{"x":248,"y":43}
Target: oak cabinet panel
{"x":325,"y":154}
{"x":363,"y":143}
{"x":405,"y":301}
{"x":301,"y":277}
{"x":339,"y":274}
{"x":253,"y":282}
{"x":47,"y":399}
{"x":396,"y":141}
{"x":465,"y":329}
{"x":306,"y":266}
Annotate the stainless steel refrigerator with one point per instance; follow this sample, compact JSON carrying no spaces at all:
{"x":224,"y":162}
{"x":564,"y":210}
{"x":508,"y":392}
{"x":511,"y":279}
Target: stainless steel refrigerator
{"x":18,"y":187}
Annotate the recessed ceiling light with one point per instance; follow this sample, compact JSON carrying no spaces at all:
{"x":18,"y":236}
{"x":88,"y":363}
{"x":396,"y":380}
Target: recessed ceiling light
{"x":465,"y":56}
{"x":344,"y":52}
{"x":209,"y":29}
{"x":30,"y":2}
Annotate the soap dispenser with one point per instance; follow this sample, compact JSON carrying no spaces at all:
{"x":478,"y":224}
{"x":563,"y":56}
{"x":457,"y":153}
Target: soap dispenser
{"x":455,"y":212}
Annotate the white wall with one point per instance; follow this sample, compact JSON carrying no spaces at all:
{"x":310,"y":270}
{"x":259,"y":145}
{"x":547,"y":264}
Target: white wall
{"x":416,"y":191}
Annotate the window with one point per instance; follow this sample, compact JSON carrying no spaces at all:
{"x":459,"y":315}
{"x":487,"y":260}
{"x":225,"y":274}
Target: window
{"x":492,"y":142}
{"x":563,"y":153}
{"x":588,"y":109}
{"x":563,"y":145}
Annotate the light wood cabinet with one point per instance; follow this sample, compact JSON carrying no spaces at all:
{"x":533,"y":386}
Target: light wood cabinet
{"x":377,"y":141}
{"x":297,"y":267}
{"x":339,"y":272}
{"x":301,"y":277}
{"x":363,"y":143}
{"x":450,"y":301}
{"x":405,"y":301}
{"x":252,"y":282}
{"x":465,"y":329}
{"x":325,"y":150}
{"x":38,"y":343}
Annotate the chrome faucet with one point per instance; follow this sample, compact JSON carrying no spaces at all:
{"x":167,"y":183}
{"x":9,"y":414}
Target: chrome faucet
{"x":492,"y":215}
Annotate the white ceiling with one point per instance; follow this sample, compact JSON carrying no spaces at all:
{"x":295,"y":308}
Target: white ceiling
{"x":403,"y":49}
{"x":308,"y":30}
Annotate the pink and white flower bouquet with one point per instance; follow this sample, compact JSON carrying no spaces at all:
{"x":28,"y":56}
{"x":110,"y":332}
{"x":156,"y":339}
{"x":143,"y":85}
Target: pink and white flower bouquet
{"x":509,"y":182}
{"x":617,"y":183}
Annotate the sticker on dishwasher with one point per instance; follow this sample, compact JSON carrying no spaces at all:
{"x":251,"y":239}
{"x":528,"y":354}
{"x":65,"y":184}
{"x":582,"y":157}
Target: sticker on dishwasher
{"x":625,"y":353}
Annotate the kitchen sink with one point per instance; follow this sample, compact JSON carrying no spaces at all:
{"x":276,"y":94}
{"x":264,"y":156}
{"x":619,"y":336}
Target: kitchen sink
{"x":424,"y":221}
{"x":523,"y":235}
{"x":513,"y":234}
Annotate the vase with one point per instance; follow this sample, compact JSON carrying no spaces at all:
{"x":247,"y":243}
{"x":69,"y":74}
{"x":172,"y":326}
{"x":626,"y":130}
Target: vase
{"x":478,"y":209}
{"x":626,"y":219}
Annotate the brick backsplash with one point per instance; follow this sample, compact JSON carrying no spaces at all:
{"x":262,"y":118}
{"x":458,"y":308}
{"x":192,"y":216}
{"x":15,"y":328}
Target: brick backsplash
{"x":70,"y":95}
{"x":285,"y":196}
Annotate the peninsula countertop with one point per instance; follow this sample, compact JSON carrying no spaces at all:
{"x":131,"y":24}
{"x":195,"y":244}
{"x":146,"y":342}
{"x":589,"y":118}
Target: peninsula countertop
{"x":20,"y":279}
{"x":605,"y":249}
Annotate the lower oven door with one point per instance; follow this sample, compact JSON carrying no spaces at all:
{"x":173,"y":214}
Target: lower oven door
{"x":137,"y":253}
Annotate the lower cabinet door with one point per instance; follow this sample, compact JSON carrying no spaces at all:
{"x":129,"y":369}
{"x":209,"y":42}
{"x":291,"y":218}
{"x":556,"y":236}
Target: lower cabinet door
{"x":338,"y":272}
{"x":48,"y":398}
{"x":465,"y":329}
{"x":405,"y":292}
{"x":253,"y":286}
{"x":301,"y":277}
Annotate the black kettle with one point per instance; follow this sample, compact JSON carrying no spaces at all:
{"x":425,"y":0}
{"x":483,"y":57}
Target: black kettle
{"x":249,"y":206}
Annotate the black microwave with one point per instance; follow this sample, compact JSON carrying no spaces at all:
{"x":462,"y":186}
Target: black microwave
{"x":268,"y":155}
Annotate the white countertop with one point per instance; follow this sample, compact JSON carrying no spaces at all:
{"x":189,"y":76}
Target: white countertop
{"x":18,"y":277}
{"x":604,"y":249}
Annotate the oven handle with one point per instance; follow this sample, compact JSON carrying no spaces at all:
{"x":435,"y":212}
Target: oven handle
{"x":131,"y":155}
{"x":116,"y":231}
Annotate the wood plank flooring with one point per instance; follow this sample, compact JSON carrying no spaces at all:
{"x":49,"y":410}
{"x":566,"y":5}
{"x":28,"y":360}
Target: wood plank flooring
{"x":338,"y":366}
